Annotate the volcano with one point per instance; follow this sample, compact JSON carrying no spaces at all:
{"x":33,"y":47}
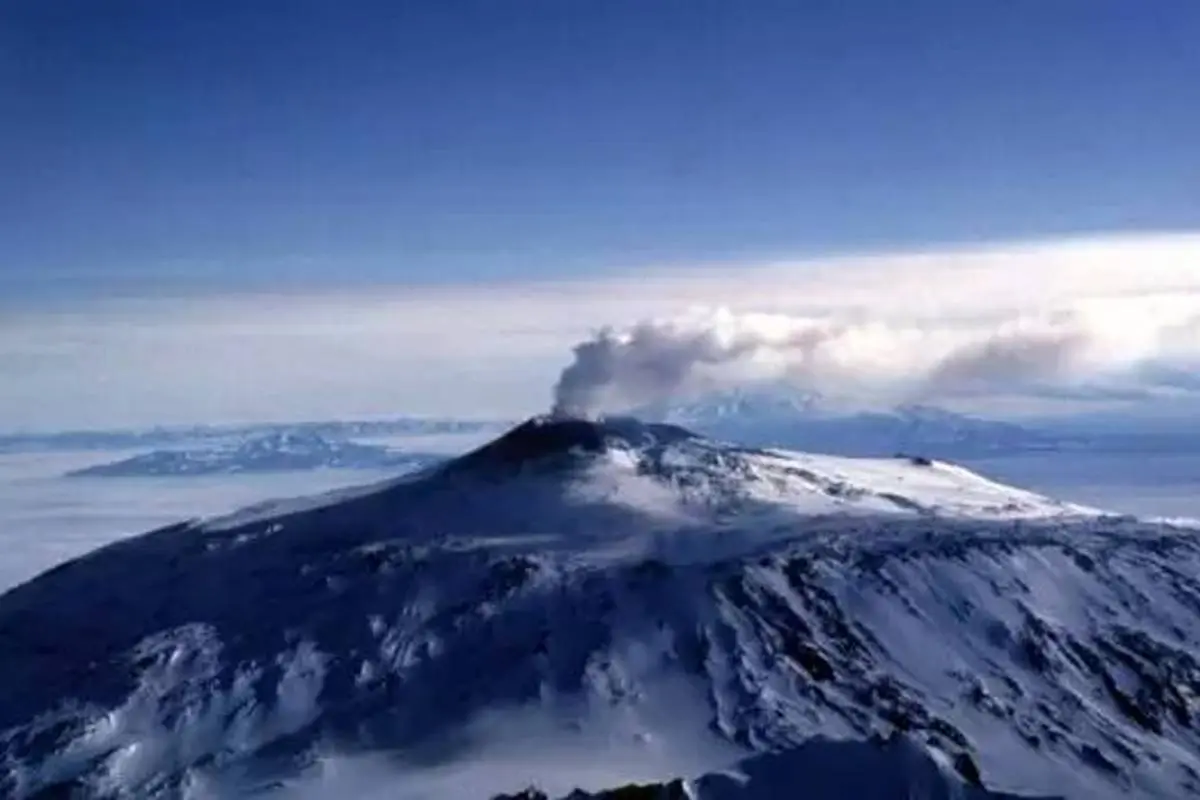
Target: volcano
{"x":597,"y":603}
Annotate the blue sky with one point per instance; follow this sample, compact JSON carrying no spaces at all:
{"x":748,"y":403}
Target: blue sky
{"x":151,"y":144}
{"x":228,"y":211}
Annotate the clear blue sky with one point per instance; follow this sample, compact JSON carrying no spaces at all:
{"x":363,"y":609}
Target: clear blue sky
{"x":276,"y":142}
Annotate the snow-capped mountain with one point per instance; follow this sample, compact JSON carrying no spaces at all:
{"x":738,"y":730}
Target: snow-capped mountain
{"x":737,"y":404}
{"x":787,"y":418}
{"x":589,"y":605}
{"x":273,"y":452}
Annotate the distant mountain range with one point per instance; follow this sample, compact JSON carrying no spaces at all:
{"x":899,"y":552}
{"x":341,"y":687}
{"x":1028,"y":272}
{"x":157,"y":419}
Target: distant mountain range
{"x":166,"y":437}
{"x":790,"y":419}
{"x":763,"y":416}
{"x":273,"y":452}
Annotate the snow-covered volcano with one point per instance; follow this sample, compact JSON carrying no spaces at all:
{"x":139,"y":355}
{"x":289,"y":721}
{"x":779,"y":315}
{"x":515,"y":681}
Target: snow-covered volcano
{"x":597,"y":603}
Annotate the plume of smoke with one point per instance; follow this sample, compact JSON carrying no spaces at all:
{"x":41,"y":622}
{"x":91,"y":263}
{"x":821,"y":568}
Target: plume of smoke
{"x":658,"y":359}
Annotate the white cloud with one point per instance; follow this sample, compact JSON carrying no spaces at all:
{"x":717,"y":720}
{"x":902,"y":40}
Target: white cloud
{"x":1098,"y":306}
{"x":871,"y":360}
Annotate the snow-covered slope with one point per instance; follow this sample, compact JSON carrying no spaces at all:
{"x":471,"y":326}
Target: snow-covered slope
{"x":593,"y":604}
{"x":274,"y":452}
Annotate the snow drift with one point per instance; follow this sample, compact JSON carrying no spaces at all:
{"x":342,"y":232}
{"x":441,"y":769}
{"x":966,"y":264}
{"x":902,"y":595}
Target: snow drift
{"x":582,"y":604}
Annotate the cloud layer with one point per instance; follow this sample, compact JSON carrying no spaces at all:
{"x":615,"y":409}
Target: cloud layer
{"x":1050,"y":316}
{"x":875,"y":360}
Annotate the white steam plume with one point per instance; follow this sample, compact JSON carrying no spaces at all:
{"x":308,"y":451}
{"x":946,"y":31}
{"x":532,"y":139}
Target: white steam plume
{"x":658,"y":359}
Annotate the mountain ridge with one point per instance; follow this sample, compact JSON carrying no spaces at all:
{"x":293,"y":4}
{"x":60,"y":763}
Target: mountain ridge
{"x":784,"y":417}
{"x":627,"y":586}
{"x":826,"y":769}
{"x":189,"y":435}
